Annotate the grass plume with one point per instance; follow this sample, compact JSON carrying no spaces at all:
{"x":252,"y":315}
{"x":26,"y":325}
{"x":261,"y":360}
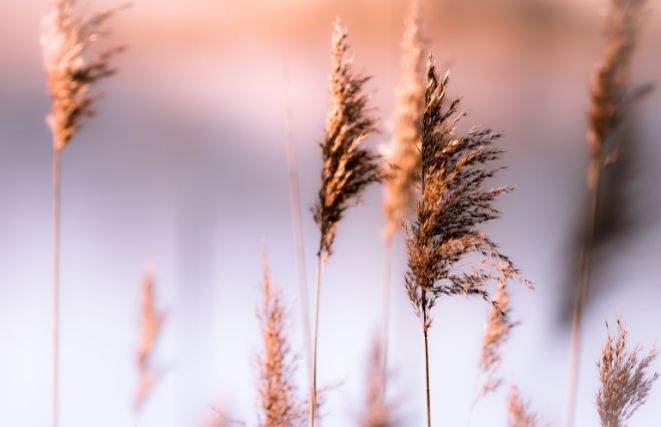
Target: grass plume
{"x":403,"y":154}
{"x":348,"y":167}
{"x":625,"y":380}
{"x":496,"y":333}
{"x":151,"y":325}
{"x":451,"y":207}
{"x":609,"y":97}
{"x":519,"y":411}
{"x":67,"y":36}
{"x":280,"y":406}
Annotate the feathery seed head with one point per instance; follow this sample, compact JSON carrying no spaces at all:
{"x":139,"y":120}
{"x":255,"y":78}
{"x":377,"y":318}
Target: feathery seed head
{"x":151,"y":324}
{"x":497,"y":332}
{"x":403,"y":160}
{"x":71,"y":70}
{"x":608,"y":93}
{"x":277,"y":392}
{"x":625,"y":380}
{"x":348,"y":167}
{"x":452,"y":205}
{"x":519,"y":414}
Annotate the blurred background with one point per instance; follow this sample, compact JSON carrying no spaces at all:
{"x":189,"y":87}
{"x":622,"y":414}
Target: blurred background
{"x":185,"y":169}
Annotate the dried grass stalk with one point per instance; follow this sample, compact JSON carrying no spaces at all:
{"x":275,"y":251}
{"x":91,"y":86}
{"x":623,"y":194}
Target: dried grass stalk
{"x":280,"y":406}
{"x":403,"y":155}
{"x":609,"y":96}
{"x":519,"y":412}
{"x":151,"y":325}
{"x":348,"y":167}
{"x":451,"y":207}
{"x":625,"y":378}
{"x":71,"y":70}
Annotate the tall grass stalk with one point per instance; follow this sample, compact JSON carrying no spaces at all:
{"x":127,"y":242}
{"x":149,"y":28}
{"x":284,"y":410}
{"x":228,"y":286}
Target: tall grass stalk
{"x":608,"y":100}
{"x":348,"y":167}
{"x":403,"y":154}
{"x":452,"y":205}
{"x":297,"y":226}
{"x":71,"y":70}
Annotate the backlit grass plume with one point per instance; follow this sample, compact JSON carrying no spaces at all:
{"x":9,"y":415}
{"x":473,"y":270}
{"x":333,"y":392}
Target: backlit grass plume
{"x":625,"y":379}
{"x":452,"y":205}
{"x":348,"y":166}
{"x":403,"y":154}
{"x":496,"y":332}
{"x":151,"y":324}
{"x":519,"y":413}
{"x":279,"y":403}
{"x":67,"y":38}
{"x":72,"y":69}
{"x":609,"y":97}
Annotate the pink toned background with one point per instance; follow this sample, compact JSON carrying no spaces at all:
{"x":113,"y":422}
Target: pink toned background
{"x":185,"y":168}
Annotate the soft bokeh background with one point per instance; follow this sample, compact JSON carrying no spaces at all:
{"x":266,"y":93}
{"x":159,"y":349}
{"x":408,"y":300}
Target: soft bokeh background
{"x":185,"y":168}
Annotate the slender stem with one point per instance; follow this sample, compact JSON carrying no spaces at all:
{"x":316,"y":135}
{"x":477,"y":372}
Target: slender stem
{"x":297,"y":227}
{"x":56,"y":284}
{"x":386,"y":312}
{"x":581,"y":294}
{"x":313,"y":388}
{"x":425,"y":331}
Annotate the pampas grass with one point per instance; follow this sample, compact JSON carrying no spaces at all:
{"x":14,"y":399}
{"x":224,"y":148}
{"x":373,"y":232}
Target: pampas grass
{"x":625,"y":378}
{"x":609,"y":96}
{"x":348,"y":167}
{"x":151,"y":324}
{"x":451,"y":207}
{"x":403,"y":154}
{"x":279,"y":403}
{"x":66,"y":39}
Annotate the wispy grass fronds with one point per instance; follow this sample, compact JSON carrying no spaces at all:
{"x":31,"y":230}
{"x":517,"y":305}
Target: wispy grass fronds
{"x":609,"y":97}
{"x":453,"y":204}
{"x":625,"y":378}
{"x":66,"y":38}
{"x":609,"y":92}
{"x":377,"y":411}
{"x":496,"y":333}
{"x":280,"y":405}
{"x":403,"y":154}
{"x":348,"y":166}
{"x":72,"y":69}
{"x":519,"y":411}
{"x":151,"y":325}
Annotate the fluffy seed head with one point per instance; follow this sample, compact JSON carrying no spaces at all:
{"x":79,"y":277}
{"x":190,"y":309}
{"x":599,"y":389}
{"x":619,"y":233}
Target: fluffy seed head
{"x":348,"y":166}
{"x":608,"y":93}
{"x":280,"y":406}
{"x":71,"y":69}
{"x":452,"y":205}
{"x":625,"y":380}
{"x":403,"y":158}
{"x":519,"y":413}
